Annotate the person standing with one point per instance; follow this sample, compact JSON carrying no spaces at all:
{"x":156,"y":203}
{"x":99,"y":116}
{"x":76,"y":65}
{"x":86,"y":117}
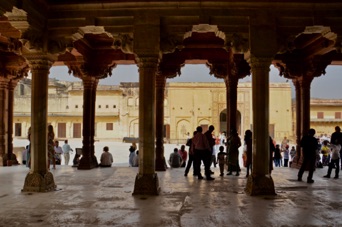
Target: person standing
{"x":106,"y":159}
{"x":58,"y":153}
{"x":221,"y":159}
{"x":286,"y":156}
{"x":191,"y":157}
{"x":248,"y":144}
{"x":336,"y":138}
{"x":309,"y":144}
{"x":66,"y":152}
{"x":233,"y":144}
{"x":51,"y":149}
{"x":277,"y":156}
{"x":202,"y":151}
{"x":211,"y":140}
{"x":132,"y":154}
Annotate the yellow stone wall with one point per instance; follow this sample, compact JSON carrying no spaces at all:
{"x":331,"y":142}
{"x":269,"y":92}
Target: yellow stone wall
{"x":186,"y":106}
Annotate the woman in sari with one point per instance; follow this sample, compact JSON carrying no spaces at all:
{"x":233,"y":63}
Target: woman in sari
{"x":233,"y":144}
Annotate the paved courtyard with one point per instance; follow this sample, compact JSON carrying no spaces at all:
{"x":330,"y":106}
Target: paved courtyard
{"x":103,"y":197}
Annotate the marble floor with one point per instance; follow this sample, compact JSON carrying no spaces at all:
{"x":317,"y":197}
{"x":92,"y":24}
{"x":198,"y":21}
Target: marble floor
{"x":103,"y":197}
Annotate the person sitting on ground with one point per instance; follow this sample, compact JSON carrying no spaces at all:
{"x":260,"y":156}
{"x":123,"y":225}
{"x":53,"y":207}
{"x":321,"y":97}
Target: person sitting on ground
{"x":106,"y":158}
{"x":175,"y":160}
{"x":184,"y":154}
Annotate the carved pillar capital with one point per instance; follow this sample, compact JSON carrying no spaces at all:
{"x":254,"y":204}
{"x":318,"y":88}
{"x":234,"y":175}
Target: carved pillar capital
{"x":260,"y":63}
{"x":148,"y":62}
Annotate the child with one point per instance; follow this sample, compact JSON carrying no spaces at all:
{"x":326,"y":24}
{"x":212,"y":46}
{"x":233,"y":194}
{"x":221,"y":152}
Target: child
{"x":334,"y":161}
{"x":221,"y":159}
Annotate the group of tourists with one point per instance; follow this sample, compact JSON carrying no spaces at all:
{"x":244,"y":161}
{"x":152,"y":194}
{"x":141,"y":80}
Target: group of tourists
{"x":202,"y":147}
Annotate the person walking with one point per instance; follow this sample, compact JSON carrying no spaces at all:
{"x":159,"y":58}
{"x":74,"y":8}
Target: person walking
{"x":132,"y":154}
{"x":309,"y":144}
{"x":66,"y":152}
{"x":335,"y":160}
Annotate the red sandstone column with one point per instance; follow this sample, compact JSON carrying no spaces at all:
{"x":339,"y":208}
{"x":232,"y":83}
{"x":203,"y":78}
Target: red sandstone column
{"x":160,"y":90}
{"x":11,"y":85}
{"x":298,"y":115}
{"x":231,"y":93}
{"x":39,"y":179}
{"x":146,"y":181}
{"x":305,"y":84}
{"x":3,"y":119}
{"x":87,"y":161}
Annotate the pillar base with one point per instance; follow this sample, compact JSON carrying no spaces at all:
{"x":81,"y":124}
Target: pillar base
{"x":161,"y":164}
{"x":147,"y":184}
{"x":88,"y":163}
{"x":36,"y":182}
{"x":260,"y":185}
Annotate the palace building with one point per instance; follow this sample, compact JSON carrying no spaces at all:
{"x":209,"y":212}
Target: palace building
{"x":186,"y":106}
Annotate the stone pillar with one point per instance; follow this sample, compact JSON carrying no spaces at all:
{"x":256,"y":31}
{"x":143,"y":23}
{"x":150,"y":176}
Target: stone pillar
{"x":88,"y":160}
{"x":160,"y":90}
{"x":39,"y":179}
{"x":305,"y":84}
{"x":260,"y":181}
{"x":298,"y":115}
{"x":3,"y":120}
{"x":231,"y":95}
{"x":146,"y":181}
{"x":11,"y":85}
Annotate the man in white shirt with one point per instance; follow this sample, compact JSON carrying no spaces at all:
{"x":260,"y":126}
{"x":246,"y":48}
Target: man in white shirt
{"x":58,"y":152}
{"x":66,"y":152}
{"x":106,"y":158}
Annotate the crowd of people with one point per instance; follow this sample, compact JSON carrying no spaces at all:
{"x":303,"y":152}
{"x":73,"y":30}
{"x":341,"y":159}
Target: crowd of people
{"x":208,"y":149}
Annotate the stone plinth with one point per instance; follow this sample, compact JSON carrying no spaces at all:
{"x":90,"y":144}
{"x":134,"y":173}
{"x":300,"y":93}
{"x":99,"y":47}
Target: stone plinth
{"x":36,"y":182}
{"x":260,"y":185}
{"x":147,"y":184}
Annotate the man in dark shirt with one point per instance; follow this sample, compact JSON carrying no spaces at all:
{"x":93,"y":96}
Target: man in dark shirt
{"x":309,"y":144}
{"x":336,"y":138}
{"x":211,"y":141}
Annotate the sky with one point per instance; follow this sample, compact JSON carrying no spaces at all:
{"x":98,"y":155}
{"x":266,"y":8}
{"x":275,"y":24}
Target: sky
{"x":328,"y":86}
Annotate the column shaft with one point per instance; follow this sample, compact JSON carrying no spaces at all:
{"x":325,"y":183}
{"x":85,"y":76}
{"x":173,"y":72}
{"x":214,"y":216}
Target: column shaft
{"x":87,"y":161}
{"x":40,"y":179}
{"x":305,"y":84}
{"x":260,"y":181}
{"x":231,"y":91}
{"x":3,"y":120}
{"x":160,"y":89}
{"x":12,"y":84}
{"x":147,"y":181}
